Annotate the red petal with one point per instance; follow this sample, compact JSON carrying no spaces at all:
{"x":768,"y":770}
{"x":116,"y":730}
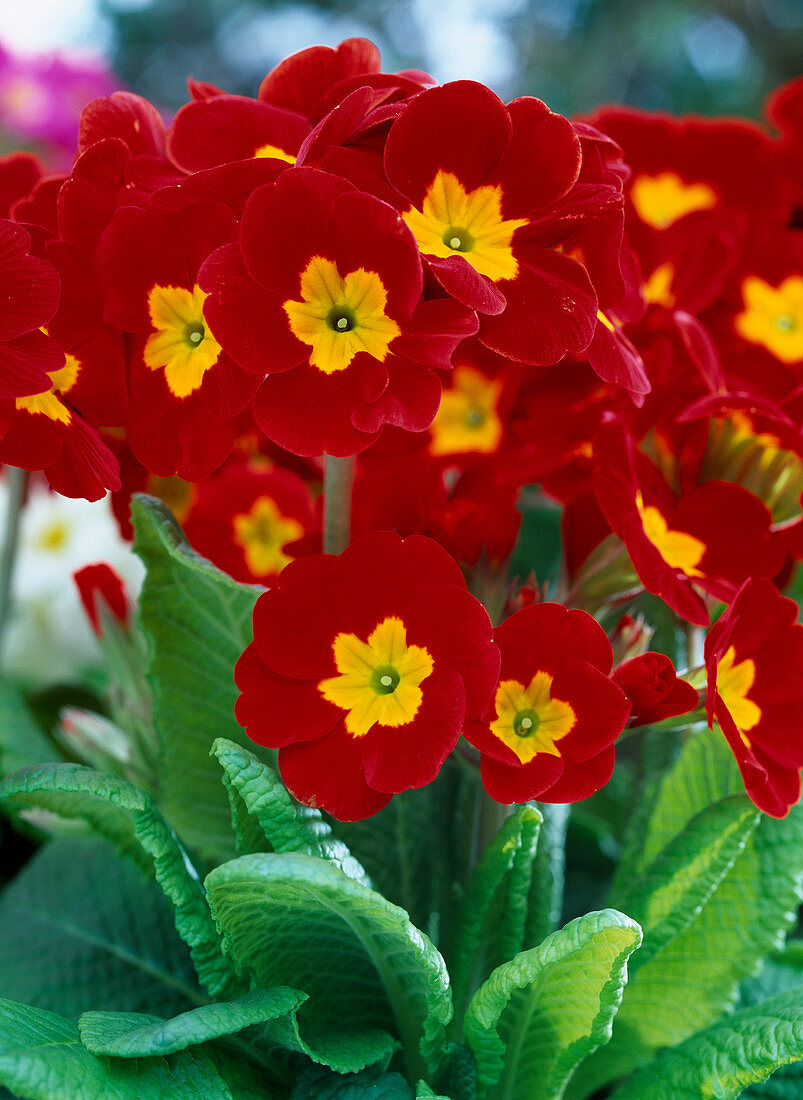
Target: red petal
{"x":328,"y":774}
{"x":551,"y":309}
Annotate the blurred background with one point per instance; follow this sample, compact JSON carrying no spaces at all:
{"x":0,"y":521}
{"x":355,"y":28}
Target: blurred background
{"x":674,"y":55}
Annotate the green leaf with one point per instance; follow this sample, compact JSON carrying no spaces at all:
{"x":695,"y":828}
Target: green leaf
{"x":290,"y":919}
{"x":724,"y":1059}
{"x":80,"y":928}
{"x":670,"y":893}
{"x":543,"y":1012}
{"x":424,"y":1092}
{"x":41,"y":1058}
{"x":781,"y":971}
{"x":687,"y":985}
{"x":135,"y":1035}
{"x":494,"y":908}
{"x":317,"y":1084}
{"x":267,"y":818}
{"x":126,"y":816}
{"x":22,"y":741}
{"x":198,"y":622}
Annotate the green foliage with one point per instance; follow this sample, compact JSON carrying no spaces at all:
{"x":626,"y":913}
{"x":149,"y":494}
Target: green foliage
{"x":417,"y":849}
{"x":316,"y":1084}
{"x":491,"y":919}
{"x":22,"y":741}
{"x":42,"y":1058}
{"x":546,"y":1010}
{"x":198,"y":622}
{"x":724,"y":1059}
{"x":687,"y":984}
{"x":128,"y":818}
{"x":80,"y":928}
{"x":290,"y":919}
{"x":266,"y":818}
{"x":673,"y":889}
{"x":135,"y":1035}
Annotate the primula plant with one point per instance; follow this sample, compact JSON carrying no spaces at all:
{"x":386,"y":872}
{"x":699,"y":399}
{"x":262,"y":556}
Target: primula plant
{"x":452,"y":747}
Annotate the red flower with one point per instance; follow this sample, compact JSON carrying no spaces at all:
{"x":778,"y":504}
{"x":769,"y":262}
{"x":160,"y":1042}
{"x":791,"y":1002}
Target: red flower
{"x":102,"y":591}
{"x":483,"y":182}
{"x":713,"y":537}
{"x":550,"y":730}
{"x":224,"y":128}
{"x":185,"y":392}
{"x":655,"y":692}
{"x":363,"y":669}
{"x":29,"y":295}
{"x":754,"y":658}
{"x":322,"y":294}
{"x":248,"y":519}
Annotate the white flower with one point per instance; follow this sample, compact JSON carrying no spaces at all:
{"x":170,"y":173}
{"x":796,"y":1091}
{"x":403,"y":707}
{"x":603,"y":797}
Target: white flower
{"x":48,"y":638}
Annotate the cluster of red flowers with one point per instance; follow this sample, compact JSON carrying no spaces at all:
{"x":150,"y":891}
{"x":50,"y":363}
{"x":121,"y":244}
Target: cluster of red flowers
{"x":470,"y":296}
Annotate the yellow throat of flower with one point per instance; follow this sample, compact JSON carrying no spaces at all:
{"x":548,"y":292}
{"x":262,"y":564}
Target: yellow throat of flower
{"x":339,"y":316}
{"x":379,"y":680}
{"x":528,"y":720}
{"x":182,"y":344}
{"x":456,"y":222}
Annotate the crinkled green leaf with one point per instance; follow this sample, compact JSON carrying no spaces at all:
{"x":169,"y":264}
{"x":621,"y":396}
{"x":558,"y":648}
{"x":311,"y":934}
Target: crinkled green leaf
{"x":127,"y":817}
{"x":81,"y":928}
{"x":42,"y":1058}
{"x":688,"y":984}
{"x":290,"y":919}
{"x":418,"y":847}
{"x":458,"y":1078}
{"x":724,"y":1059}
{"x":140,"y":1035}
{"x":136,"y":1035}
{"x":424,"y":1092}
{"x":198,"y":622}
{"x":543,"y":1012}
{"x":672,"y":890}
{"x":267,"y":818}
{"x":494,"y":908}
{"x":316,"y":1084}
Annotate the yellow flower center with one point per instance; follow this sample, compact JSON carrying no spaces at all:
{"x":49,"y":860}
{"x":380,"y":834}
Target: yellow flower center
{"x":454,"y":221}
{"x":528,"y":719}
{"x":773,"y":316}
{"x":339,"y":316}
{"x":53,"y":536}
{"x":378,"y":680}
{"x":275,"y":152}
{"x":662,"y":200}
{"x":263,"y":532}
{"x":658,"y":288}
{"x":467,"y":419}
{"x":182,"y":345}
{"x":733,"y":683}
{"x":678,"y":549}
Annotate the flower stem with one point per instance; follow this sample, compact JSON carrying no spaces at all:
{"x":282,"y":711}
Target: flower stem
{"x":17,"y":485}
{"x":338,"y":477}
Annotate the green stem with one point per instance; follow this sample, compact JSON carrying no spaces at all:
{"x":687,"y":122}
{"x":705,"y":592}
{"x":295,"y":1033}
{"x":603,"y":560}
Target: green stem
{"x":546,"y":892}
{"x":17,"y":485}
{"x":338,"y":478}
{"x":490,"y":817}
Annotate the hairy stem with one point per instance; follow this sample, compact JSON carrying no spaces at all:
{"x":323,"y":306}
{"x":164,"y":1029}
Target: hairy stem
{"x":17,"y":485}
{"x":338,"y":478}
